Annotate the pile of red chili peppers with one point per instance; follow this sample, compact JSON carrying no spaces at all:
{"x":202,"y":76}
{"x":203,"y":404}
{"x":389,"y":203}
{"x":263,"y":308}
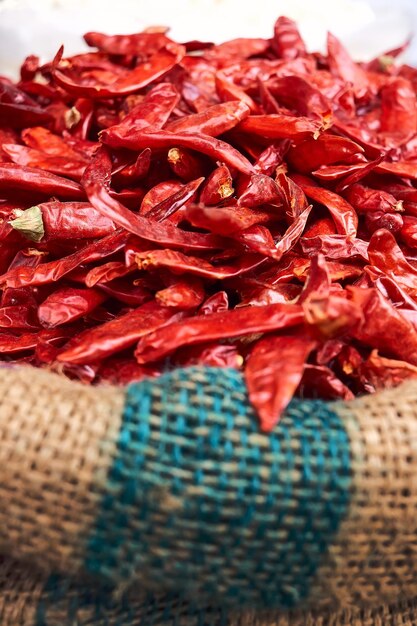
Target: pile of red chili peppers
{"x":247,"y":205}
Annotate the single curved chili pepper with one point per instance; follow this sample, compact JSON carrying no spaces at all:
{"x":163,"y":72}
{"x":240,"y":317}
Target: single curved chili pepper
{"x":224,"y":325}
{"x":124,"y":291}
{"x":62,"y":166}
{"x":40,"y":138}
{"x":272,"y":157}
{"x":280,"y":126}
{"x":158,"y":194}
{"x":29,"y":67}
{"x":141,"y":76}
{"x":226,"y":220}
{"x":287,"y":42}
{"x":310,"y":154}
{"x":242,"y":47}
{"x":342,"y":65}
{"x":107,"y":272}
{"x":17,"y":177}
{"x":118,"y":334}
{"x":54,"y":221}
{"x":131,"y":173}
{"x":153,"y":112}
{"x":54,"y":270}
{"x":213,"y":121}
{"x":212,"y":147}
{"x":343,"y":214}
{"x":271,"y":388}
{"x":67,"y":305}
{"x":180,"y":263}
{"x":138,"y":44}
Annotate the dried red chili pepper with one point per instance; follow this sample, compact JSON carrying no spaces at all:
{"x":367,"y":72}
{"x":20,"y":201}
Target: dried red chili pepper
{"x":270,"y":387}
{"x":278,"y":126}
{"x":310,"y":154}
{"x":271,"y":127}
{"x":217,"y":187}
{"x":210,"y":146}
{"x":227,"y":220}
{"x":182,"y":295}
{"x":164,"y":234}
{"x":170,"y":205}
{"x":235,"y":323}
{"x":20,"y":178}
{"x":287,"y":42}
{"x":343,"y":214}
{"x":122,"y":84}
{"x":185,"y":164}
{"x":119,"y":334}
{"x":54,"y":270}
{"x":67,"y":305}
{"x":54,"y":221}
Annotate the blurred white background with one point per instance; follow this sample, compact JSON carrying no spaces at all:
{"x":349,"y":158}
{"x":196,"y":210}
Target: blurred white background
{"x":367,"y":27}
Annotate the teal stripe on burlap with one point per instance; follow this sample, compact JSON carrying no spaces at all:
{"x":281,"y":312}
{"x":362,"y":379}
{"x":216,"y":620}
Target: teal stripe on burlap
{"x":200,"y":502}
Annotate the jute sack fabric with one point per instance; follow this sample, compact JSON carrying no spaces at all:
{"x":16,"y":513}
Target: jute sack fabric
{"x":162,"y":503}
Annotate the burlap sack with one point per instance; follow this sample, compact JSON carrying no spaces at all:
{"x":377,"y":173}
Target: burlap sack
{"x":163,"y":504}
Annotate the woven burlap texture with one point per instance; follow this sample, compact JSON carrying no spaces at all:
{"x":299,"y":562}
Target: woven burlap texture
{"x":374,"y":555}
{"x":24,"y":602}
{"x":52,"y":461}
{"x":57,"y":439}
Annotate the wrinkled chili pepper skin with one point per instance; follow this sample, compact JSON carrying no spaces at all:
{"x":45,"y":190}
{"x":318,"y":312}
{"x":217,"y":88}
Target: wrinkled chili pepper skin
{"x":238,"y":205}
{"x":270,"y":387}
{"x":219,"y":325}
{"x":67,"y":305}
{"x":54,"y":221}
{"x":118,"y":334}
{"x":19,"y":178}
